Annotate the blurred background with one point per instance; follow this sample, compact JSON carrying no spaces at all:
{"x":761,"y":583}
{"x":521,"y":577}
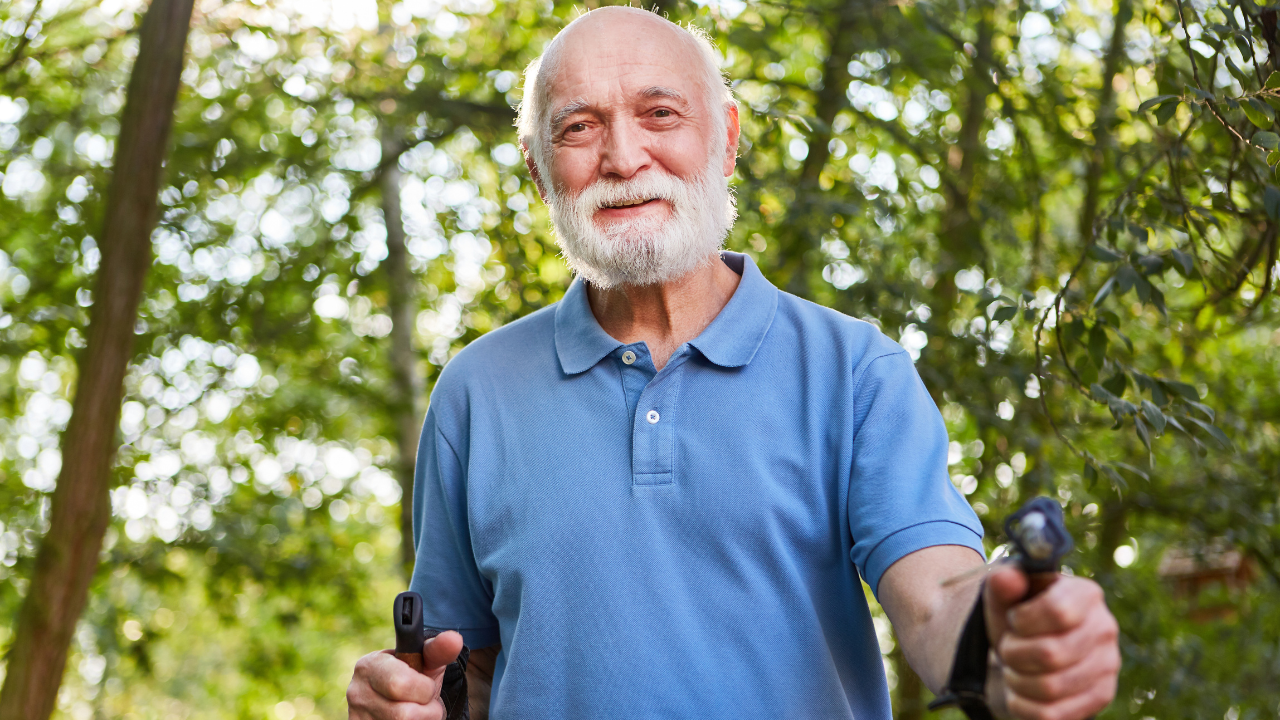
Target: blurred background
{"x":1063,"y":210}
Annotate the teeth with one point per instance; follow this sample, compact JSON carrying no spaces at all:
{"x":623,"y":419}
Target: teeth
{"x":628,"y":203}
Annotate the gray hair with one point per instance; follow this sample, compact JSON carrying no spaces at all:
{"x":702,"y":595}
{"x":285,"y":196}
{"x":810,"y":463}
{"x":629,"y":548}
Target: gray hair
{"x":532,"y":122}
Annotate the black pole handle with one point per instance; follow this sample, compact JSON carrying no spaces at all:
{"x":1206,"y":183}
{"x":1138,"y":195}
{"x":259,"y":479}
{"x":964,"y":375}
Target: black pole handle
{"x":410,"y":635}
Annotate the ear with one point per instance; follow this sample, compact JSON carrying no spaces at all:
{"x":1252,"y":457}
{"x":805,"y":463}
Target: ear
{"x":533,"y":171}
{"x":732,"y":133}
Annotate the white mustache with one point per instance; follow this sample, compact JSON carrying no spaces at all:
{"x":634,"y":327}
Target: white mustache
{"x":650,"y":186}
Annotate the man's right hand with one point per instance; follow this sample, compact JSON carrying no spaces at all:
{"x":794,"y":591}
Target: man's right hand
{"x":384,"y":688}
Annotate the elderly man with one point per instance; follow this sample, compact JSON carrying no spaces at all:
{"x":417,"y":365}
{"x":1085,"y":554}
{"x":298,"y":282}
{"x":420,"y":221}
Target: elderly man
{"x":657,"y":498}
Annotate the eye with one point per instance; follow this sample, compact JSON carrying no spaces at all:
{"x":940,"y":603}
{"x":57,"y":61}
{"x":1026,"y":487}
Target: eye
{"x":662,"y":113}
{"x":576,"y":127}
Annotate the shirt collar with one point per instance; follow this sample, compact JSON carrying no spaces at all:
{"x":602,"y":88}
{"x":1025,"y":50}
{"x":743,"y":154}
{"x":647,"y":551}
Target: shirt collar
{"x":580,"y":341}
{"x":731,"y":340}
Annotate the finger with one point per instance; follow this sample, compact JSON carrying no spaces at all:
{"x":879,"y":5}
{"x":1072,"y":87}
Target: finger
{"x":1003,"y":588}
{"x":1006,"y":586}
{"x":441,"y":650}
{"x":1060,"y":608}
{"x":397,"y":682}
{"x":1076,"y":707}
{"x":1041,"y":654}
{"x":383,"y":709}
{"x":1099,"y":666}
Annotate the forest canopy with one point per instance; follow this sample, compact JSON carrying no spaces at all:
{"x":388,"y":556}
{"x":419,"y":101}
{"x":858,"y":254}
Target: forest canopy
{"x":1066,"y":212}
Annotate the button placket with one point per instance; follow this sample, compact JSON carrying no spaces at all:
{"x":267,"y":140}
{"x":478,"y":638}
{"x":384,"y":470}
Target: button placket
{"x":653,"y":433}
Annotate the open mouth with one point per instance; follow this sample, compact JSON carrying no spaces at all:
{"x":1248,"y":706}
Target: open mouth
{"x":637,"y":202}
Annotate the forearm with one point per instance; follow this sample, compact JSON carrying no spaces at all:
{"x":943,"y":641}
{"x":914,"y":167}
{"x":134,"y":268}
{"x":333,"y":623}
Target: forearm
{"x":932,"y":649}
{"x":929,"y":639}
{"x":928,"y":617}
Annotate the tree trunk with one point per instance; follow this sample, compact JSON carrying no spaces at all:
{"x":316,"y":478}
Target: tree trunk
{"x":405,"y":405}
{"x":1103,"y":120}
{"x":81,"y":508}
{"x":799,"y":234}
{"x":910,"y":690}
{"x":960,"y":234}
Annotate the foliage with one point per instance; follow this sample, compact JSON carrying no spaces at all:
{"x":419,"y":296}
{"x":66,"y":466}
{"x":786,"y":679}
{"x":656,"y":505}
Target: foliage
{"x":1066,"y":213}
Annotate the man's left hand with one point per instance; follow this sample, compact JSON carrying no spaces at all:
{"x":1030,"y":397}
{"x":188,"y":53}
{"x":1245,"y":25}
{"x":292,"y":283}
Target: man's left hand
{"x":1059,"y":650}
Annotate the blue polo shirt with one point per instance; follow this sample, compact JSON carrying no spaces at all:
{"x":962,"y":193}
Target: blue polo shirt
{"x":684,"y":542}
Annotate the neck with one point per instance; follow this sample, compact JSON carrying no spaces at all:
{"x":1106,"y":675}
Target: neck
{"x":667,"y":315}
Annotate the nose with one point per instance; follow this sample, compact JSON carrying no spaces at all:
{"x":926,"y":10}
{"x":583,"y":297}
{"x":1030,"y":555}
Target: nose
{"x":624,"y":153}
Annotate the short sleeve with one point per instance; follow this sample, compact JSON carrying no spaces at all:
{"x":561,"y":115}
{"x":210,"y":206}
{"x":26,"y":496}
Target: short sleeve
{"x":455,"y":595}
{"x":900,"y":495}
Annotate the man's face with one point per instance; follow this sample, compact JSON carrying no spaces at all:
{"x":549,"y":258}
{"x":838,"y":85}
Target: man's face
{"x":638,"y":155}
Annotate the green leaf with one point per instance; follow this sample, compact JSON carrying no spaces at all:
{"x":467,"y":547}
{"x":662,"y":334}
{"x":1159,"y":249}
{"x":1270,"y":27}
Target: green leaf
{"x":1273,"y":80}
{"x":1259,"y":113}
{"x":1115,"y":477}
{"x":1004,"y":312}
{"x":1213,"y":430}
{"x":1156,"y":102}
{"x":1271,"y":201}
{"x":1126,"y":277}
{"x":1116,"y":383}
{"x":1182,"y":389}
{"x":1157,"y":299}
{"x":1243,"y":45}
{"x":1143,"y":286}
{"x":1097,"y":252}
{"x":1104,"y":291}
{"x":1132,"y":469}
{"x":1208,"y":411}
{"x":1075,"y":328}
{"x":1097,"y":345}
{"x":1088,"y":373}
{"x":1090,"y":475}
{"x":1158,"y":396}
{"x":1100,"y":393}
{"x":1153,"y":415}
{"x":1236,"y":71}
{"x":1268,"y":140}
{"x":1139,"y":232}
{"x":1128,"y":343}
{"x":1165,"y":112}
{"x":1206,"y":97}
{"x":1151,"y":264}
{"x":1143,"y":432}
{"x":1186,"y":262}
{"x":1273,"y":157}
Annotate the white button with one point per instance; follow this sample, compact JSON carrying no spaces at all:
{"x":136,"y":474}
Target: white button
{"x":628,"y":357}
{"x":652,"y":417}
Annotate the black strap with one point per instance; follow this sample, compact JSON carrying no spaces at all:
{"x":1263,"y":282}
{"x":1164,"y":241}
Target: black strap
{"x":453,"y":688}
{"x":968,"y":682}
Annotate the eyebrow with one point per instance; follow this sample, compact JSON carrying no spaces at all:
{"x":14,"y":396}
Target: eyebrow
{"x":565,"y":111}
{"x":656,"y":91}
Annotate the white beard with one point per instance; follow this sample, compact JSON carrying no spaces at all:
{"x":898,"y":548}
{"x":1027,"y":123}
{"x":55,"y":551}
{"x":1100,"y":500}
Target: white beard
{"x":644,"y":251}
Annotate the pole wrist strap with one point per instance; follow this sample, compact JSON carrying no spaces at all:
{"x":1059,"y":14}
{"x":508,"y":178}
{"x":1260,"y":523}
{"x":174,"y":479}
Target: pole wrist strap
{"x":966,"y":688}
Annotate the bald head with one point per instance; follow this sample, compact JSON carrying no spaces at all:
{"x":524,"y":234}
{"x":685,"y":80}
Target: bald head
{"x":629,"y":40}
